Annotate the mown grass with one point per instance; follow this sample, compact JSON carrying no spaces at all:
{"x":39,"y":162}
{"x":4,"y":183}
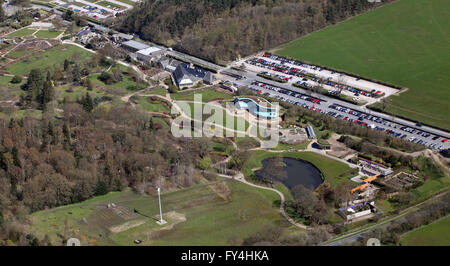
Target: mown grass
{"x":47,"y":59}
{"x":196,"y":110}
{"x":403,"y":43}
{"x":210,"y":218}
{"x":20,"y":33}
{"x":47,"y":34}
{"x":207,"y":95}
{"x":434,"y":234}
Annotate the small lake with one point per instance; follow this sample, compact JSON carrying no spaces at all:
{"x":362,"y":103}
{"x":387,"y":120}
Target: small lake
{"x":299,"y":172}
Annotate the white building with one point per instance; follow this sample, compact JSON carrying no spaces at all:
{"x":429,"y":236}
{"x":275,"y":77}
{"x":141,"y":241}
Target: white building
{"x":148,"y":54}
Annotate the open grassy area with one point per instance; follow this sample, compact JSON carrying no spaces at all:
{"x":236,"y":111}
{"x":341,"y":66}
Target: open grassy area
{"x":192,"y":111}
{"x":207,"y":95}
{"x":333,"y":171}
{"x":434,"y":234}
{"x":131,"y":3}
{"x":47,"y":34}
{"x":211,"y":217}
{"x":47,"y":59}
{"x":283,"y":146}
{"x":16,"y":54}
{"x":404,"y":43}
{"x":109,"y":4}
{"x":76,"y":92}
{"x":22,"y":32}
{"x":148,"y":105}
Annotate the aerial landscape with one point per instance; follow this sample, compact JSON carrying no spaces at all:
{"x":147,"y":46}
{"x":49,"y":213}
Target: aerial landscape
{"x":224,"y":123}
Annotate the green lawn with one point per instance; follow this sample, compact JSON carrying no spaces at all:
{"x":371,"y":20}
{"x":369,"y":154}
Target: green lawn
{"x":211,"y":219}
{"x":283,"y":146}
{"x":76,"y":92}
{"x":434,"y":234}
{"x":47,"y":34}
{"x":192,"y":110}
{"x":129,"y":2}
{"x":404,"y":43}
{"x":17,"y":54}
{"x":207,"y":95}
{"x":333,"y":171}
{"x":159,"y":91}
{"x":47,"y":59}
{"x":146,"y":104}
{"x":111,"y":5}
{"x":20,"y":33}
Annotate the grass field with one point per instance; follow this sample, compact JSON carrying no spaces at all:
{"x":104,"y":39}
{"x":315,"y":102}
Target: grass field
{"x":47,"y":34}
{"x":333,"y":171}
{"x":207,"y":95}
{"x":111,"y":5}
{"x":210,"y":217}
{"x":434,"y":234}
{"x":20,"y":33}
{"x":131,"y":3}
{"x":47,"y":59}
{"x":239,"y":122}
{"x":404,"y":43}
{"x":146,"y":104}
{"x":16,"y":54}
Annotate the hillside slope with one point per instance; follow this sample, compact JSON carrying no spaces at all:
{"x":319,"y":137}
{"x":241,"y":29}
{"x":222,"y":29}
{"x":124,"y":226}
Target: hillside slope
{"x":223,"y":30}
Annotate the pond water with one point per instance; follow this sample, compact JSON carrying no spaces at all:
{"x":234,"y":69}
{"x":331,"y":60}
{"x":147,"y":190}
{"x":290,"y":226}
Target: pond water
{"x":299,"y":172}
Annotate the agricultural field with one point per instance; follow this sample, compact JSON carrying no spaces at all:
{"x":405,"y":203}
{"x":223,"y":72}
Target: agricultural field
{"x":333,"y":171}
{"x":434,"y":234}
{"x":403,"y":43}
{"x":49,"y":58}
{"x":219,"y":213}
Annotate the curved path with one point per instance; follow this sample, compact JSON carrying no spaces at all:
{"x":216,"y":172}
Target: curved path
{"x":240,"y":177}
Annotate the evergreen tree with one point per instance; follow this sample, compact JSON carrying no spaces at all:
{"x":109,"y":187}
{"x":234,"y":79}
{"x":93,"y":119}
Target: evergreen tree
{"x":88,"y":103}
{"x":34,"y":85}
{"x":66,"y":64}
{"x":152,"y":125}
{"x":76,"y":74}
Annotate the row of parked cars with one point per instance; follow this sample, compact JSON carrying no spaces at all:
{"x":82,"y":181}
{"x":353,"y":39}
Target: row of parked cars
{"x":286,"y":92}
{"x":265,"y":73}
{"x":348,"y":114}
{"x":362,"y":118}
{"x":301,"y":73}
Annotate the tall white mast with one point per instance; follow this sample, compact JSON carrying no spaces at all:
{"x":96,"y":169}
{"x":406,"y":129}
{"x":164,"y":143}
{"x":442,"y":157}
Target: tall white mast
{"x":161,"y":221}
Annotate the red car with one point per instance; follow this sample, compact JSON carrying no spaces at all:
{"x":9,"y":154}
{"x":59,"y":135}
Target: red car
{"x":444,"y":140}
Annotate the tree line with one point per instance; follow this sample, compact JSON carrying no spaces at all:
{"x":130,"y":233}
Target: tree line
{"x":224,"y":30}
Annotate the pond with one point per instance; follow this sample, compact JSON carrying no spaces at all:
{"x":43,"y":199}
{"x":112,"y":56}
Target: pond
{"x":298,"y":172}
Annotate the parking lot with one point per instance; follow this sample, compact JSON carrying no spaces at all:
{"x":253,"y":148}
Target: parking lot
{"x":367,"y":119}
{"x":310,"y":76}
{"x":97,"y":10}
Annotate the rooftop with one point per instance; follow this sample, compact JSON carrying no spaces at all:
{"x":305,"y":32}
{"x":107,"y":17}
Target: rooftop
{"x":136,"y":45}
{"x":149,"y":50}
